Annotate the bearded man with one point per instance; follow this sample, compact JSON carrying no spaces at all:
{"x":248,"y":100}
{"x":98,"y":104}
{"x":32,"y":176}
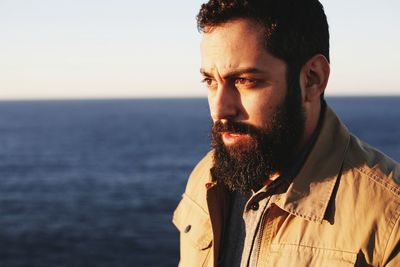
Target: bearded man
{"x":286,"y":184}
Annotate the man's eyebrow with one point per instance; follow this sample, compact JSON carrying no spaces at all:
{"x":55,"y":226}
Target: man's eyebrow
{"x":205,"y":73}
{"x":233,"y":73}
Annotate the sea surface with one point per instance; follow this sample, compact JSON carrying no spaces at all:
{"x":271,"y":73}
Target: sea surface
{"x":95,"y":182}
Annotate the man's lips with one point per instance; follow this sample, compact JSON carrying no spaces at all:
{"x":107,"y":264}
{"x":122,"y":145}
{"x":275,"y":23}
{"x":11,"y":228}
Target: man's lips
{"x":230,"y":138}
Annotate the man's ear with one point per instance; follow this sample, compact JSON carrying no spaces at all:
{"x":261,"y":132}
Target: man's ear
{"x":314,"y":77}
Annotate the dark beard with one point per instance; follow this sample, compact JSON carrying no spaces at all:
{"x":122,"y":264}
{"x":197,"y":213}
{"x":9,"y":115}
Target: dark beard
{"x":271,"y":150}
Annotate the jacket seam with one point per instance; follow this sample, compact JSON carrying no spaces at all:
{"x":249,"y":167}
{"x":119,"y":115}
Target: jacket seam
{"x":378,"y":179}
{"x":314,"y":218}
{"x":207,"y":258}
{"x":392,"y":221}
{"x":319,"y":248}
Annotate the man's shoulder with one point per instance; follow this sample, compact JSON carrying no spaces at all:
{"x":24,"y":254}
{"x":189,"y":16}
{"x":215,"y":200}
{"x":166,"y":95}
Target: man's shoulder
{"x":374,"y":166}
{"x":368,"y":195}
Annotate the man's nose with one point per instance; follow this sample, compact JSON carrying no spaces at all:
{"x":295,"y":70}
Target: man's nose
{"x":224,"y":103}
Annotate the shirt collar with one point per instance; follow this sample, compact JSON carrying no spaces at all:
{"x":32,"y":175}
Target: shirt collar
{"x":309,"y":193}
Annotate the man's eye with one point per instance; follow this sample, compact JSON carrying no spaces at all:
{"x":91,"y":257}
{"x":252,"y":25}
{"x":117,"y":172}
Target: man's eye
{"x":245,"y":81}
{"x":209,"y":82}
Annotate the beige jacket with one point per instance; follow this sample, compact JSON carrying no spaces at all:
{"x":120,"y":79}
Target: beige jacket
{"x":342,"y":209}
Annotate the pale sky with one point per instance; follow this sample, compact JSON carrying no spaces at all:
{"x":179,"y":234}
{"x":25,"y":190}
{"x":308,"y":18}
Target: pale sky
{"x":128,"y":48}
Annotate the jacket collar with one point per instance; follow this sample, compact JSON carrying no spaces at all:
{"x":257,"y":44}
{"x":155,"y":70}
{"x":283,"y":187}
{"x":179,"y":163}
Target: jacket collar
{"x":309,"y":193}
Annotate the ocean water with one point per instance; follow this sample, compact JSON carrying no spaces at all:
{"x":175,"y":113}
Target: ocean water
{"x":94,"y":183}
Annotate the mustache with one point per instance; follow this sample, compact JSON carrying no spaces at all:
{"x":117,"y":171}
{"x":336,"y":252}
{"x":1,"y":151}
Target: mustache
{"x":235,"y":127}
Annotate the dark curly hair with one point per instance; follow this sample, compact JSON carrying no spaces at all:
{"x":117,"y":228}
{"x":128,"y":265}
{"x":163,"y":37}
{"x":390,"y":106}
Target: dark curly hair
{"x":295,"y":30}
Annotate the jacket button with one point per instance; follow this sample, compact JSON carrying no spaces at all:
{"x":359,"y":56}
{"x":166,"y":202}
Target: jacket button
{"x":187,"y":229}
{"x":254,"y":206}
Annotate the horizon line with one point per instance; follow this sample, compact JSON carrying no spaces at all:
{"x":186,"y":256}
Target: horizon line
{"x":170,"y":98}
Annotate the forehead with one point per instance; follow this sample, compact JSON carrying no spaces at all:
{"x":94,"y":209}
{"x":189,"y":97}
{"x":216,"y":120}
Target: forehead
{"x":235,"y":44}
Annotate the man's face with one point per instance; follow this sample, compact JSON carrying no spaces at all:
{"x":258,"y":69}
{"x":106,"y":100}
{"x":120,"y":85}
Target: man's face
{"x":254,"y":120}
{"x":245,"y":83}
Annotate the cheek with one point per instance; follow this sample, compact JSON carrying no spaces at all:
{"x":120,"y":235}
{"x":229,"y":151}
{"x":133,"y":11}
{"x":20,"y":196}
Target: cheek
{"x":263,"y":104}
{"x":259,"y":110}
{"x":211,"y":106}
{"x":209,"y":101}
{"x":263,"y":114}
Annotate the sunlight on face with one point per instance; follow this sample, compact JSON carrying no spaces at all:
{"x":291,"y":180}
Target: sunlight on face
{"x":245,"y":83}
